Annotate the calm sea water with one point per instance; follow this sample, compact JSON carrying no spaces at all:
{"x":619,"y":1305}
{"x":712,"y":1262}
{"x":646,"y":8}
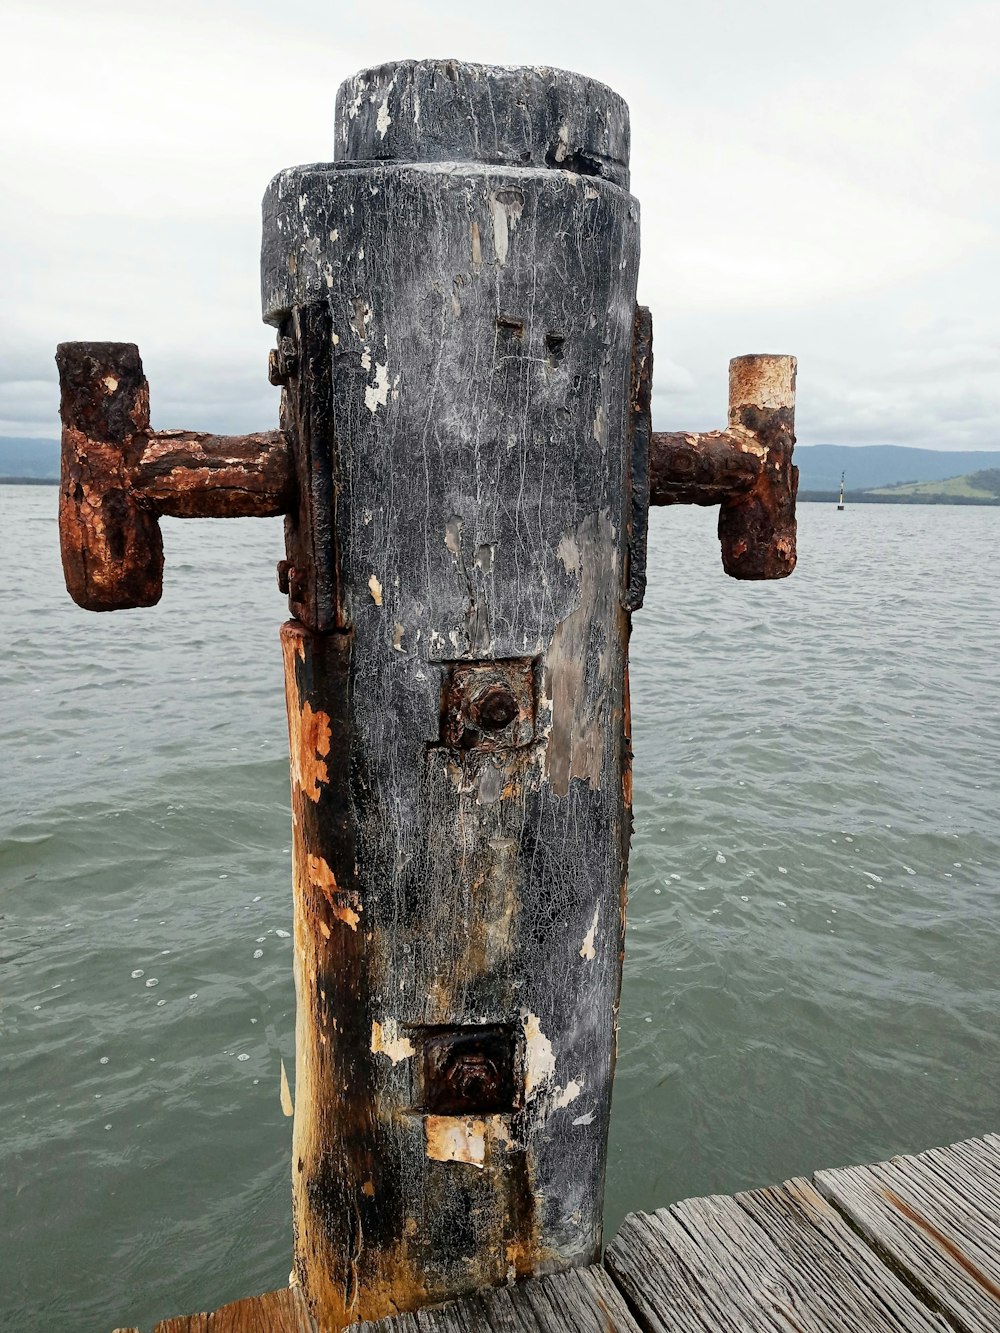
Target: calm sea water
{"x":813,"y":967}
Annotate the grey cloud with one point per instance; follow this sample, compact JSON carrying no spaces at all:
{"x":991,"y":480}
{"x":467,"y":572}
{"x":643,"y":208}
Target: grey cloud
{"x":790,"y":202}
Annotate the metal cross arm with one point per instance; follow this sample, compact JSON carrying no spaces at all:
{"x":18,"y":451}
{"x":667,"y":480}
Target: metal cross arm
{"x":119,"y":477}
{"x":746,"y":469}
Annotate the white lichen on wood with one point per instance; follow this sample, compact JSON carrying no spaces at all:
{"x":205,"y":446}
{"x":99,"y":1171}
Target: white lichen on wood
{"x":587,"y":950}
{"x":539,"y":1058}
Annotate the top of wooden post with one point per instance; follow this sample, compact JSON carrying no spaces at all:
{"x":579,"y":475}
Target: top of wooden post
{"x":454,"y":111}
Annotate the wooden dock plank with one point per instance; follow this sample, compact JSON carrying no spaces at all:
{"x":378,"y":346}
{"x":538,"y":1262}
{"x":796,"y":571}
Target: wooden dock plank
{"x":584,"y":1300}
{"x":937,"y":1217}
{"x":827,"y":1257}
{"x":845,"y":1284}
{"x":663,"y":1283}
{"x":283,"y":1311}
{"x":770,"y":1261}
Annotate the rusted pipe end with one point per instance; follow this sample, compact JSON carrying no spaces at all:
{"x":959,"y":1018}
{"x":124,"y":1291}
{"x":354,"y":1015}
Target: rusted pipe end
{"x":112,"y":554}
{"x":119,"y":477}
{"x":762,"y":381}
{"x":699,"y":469}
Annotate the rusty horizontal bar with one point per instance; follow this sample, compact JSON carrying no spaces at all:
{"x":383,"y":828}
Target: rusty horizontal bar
{"x":190,"y":474}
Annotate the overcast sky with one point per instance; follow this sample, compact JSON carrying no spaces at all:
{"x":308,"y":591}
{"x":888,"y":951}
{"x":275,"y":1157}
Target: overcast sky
{"x":815,"y":177}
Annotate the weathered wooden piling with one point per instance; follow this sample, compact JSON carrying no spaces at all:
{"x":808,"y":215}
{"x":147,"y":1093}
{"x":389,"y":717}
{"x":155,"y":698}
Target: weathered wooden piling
{"x":461,"y":560}
{"x":465,"y":466}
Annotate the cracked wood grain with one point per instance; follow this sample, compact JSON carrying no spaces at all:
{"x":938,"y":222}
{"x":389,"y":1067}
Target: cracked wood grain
{"x":528,"y":115}
{"x":582,"y":1301}
{"x":778,"y":1260}
{"x":283,"y":1311}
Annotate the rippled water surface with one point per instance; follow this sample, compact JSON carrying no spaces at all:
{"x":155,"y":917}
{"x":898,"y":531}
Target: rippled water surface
{"x":813,"y":957}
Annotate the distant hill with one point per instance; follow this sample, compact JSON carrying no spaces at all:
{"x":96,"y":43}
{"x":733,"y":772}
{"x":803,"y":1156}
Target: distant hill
{"x":29,"y":460}
{"x":983,"y":486}
{"x":867,"y":466}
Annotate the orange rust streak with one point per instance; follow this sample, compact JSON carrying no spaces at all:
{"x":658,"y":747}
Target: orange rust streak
{"x":942,"y":1241}
{"x":344,"y":903}
{"x":308,"y":729}
{"x":322,"y":876}
{"x":314,"y":732}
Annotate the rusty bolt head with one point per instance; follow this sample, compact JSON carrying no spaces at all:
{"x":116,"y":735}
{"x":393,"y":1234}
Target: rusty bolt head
{"x":282,"y":361}
{"x":495,"y":708}
{"x":275,"y":371}
{"x":473,"y":1077}
{"x":283,"y":567}
{"x":489,"y":705}
{"x":468,"y":1071}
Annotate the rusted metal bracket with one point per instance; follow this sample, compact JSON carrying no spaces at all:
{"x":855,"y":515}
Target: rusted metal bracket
{"x":746,"y":469}
{"x":119,"y":477}
{"x":302,"y":365}
{"x":640,"y":431}
{"x":466,"y":1070}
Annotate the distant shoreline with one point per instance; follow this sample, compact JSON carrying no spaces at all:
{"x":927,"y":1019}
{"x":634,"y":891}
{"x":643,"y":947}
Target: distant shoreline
{"x":29,"y":481}
{"x":866,"y":498}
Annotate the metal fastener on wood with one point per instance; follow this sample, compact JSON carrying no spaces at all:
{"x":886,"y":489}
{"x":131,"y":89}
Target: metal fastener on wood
{"x":468,"y":1071}
{"x":495,"y":708}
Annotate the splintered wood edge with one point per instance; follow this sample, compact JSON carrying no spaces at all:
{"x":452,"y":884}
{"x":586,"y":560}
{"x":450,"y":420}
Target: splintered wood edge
{"x":281,"y":1311}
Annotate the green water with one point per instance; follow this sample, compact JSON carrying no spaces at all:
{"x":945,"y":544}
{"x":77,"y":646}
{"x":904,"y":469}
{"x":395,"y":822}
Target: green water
{"x":814,"y":927}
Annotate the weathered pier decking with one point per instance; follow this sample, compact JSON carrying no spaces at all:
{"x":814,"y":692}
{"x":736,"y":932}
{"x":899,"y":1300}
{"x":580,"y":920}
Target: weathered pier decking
{"x":911,"y":1245}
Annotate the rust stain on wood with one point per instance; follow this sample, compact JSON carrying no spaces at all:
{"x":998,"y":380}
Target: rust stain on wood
{"x":344,"y":904}
{"x":310,"y":742}
{"x":352,"y":1247}
{"x":308,"y":728}
{"x":942,"y":1241}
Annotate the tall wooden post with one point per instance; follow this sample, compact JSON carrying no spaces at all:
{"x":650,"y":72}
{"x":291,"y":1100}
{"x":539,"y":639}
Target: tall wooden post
{"x":465,"y":462}
{"x":456,"y":305}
